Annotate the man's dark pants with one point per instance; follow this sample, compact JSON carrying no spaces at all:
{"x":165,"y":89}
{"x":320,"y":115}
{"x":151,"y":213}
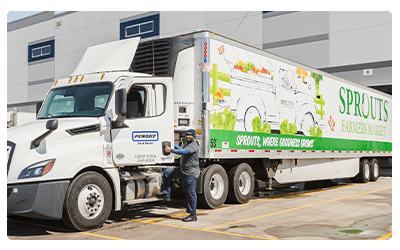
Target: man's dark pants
{"x":189,"y":183}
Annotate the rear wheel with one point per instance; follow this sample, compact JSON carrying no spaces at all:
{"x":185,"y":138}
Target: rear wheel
{"x":215,"y":187}
{"x":365,"y":173}
{"x":88,"y":202}
{"x":241,"y":183}
{"x":374,"y":169}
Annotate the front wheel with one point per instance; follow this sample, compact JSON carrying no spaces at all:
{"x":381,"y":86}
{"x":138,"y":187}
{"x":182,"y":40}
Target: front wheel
{"x":215,"y":187}
{"x":88,"y":202}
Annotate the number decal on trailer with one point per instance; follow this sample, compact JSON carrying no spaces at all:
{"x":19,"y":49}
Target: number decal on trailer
{"x":213,"y":143}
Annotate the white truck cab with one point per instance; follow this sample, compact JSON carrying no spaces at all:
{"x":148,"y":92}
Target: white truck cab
{"x":81,"y":134}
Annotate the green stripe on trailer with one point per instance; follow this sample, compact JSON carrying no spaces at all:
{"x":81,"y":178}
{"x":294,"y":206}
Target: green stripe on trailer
{"x":224,"y":139}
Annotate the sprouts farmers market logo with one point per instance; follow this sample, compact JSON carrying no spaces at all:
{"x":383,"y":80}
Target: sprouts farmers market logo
{"x":356,"y":104}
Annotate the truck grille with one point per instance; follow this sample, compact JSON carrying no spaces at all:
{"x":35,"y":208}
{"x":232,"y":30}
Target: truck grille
{"x":10,"y":152}
{"x":153,"y":57}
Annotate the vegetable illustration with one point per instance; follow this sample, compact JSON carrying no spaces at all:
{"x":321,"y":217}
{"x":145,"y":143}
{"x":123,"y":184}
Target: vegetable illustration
{"x":287,"y":128}
{"x":224,"y":121}
{"x":220,"y":94}
{"x":331,"y":123}
{"x":257,"y":126}
{"x":303,"y":72}
{"x":221,"y":50}
{"x":318,"y":100}
{"x":317,"y":78}
{"x":315,"y":134}
{"x":250,"y":67}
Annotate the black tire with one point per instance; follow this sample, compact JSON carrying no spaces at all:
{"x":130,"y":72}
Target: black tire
{"x":365,"y":173}
{"x":215,"y":187}
{"x":374,"y":170}
{"x":93,"y":188}
{"x":241,"y":183}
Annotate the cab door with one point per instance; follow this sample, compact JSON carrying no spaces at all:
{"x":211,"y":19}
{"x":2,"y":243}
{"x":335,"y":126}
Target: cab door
{"x":149,"y":124}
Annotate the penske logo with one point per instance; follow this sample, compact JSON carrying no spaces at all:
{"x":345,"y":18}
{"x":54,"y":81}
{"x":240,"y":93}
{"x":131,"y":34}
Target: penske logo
{"x":145,"y":136}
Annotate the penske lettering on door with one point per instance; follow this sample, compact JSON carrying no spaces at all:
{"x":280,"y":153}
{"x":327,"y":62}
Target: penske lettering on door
{"x":145,"y":136}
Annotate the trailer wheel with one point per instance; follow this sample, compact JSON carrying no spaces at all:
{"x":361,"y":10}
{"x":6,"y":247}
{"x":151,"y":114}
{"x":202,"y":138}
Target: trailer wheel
{"x":374,"y":169}
{"x":365,"y":173}
{"x":88,"y":202}
{"x":215,"y":187}
{"x":241,"y":183}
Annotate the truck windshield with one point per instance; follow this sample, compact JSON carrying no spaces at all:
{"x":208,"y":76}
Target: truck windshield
{"x":77,"y":101}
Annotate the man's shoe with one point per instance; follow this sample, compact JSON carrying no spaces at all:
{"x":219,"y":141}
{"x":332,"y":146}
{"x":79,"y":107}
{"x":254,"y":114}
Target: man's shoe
{"x":166,"y":197}
{"x":191,"y":217}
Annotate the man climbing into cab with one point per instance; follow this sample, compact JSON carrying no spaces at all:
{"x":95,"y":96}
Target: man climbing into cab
{"x":189,"y":171}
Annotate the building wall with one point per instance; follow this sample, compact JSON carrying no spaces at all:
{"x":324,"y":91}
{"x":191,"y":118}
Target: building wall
{"x":343,"y":43}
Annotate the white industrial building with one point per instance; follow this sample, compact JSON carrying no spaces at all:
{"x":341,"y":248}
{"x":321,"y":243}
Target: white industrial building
{"x":45,"y":47}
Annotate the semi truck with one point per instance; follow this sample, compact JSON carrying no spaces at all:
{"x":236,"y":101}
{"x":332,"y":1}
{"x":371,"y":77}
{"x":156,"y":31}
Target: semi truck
{"x":98,"y":142}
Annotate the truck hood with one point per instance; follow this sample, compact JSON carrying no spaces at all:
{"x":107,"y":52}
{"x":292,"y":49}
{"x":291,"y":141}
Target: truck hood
{"x":30,"y":131}
{"x":113,"y":56}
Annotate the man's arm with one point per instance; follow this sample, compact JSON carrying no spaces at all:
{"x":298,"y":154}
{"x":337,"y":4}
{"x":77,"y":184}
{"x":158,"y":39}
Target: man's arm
{"x":180,"y":151}
{"x":177,"y":150}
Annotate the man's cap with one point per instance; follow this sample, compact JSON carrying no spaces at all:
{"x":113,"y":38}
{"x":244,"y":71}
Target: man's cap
{"x":191,"y":132}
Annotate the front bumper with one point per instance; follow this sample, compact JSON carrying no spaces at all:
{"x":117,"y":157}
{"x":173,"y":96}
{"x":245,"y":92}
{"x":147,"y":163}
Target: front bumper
{"x":42,"y":200}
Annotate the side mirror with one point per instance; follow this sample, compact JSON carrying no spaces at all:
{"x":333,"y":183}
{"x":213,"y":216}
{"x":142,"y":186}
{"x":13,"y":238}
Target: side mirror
{"x":120,"y":107}
{"x":52,"y":125}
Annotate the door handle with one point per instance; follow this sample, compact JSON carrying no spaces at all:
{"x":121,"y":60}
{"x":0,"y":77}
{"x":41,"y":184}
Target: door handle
{"x":165,"y":143}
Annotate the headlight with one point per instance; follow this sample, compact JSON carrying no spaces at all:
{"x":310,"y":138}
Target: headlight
{"x":37,"y":169}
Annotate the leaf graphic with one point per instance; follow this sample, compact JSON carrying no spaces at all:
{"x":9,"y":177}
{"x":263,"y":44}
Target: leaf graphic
{"x":230,"y":120}
{"x":312,"y":132}
{"x":256,"y":124}
{"x":292,"y":129}
{"x":284,"y":127}
{"x":319,"y":132}
{"x":266,"y":128}
{"x":315,"y":134}
{"x":216,"y":120}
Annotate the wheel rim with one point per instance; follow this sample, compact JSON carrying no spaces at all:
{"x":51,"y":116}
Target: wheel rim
{"x":376,"y":170}
{"x":244,"y":183}
{"x":90,"y":201}
{"x":216,"y":186}
{"x":366,"y":171}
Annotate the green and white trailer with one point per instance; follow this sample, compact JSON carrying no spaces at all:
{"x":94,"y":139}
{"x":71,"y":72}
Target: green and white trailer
{"x":98,"y":141}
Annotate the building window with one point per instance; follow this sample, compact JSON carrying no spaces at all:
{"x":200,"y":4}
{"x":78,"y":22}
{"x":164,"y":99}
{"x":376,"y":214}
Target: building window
{"x":143,"y":27}
{"x":41,"y":51}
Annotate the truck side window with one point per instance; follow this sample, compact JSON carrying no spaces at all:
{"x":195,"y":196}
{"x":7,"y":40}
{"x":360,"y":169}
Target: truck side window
{"x":136,"y":103}
{"x":146,"y":100}
{"x":158,"y":102}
